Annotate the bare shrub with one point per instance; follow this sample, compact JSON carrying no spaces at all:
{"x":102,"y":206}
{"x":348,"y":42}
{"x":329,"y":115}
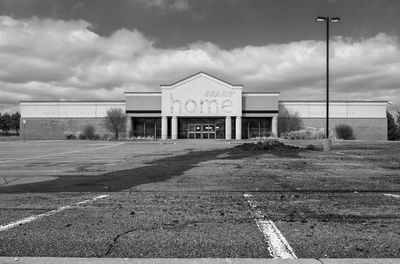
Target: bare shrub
{"x":69,"y":135}
{"x":344,"y":131}
{"x":288,"y":121}
{"x":114,"y":121}
{"x":308,"y":133}
{"x":89,"y":132}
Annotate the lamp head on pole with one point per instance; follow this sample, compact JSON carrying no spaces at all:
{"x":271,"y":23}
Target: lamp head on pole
{"x":335,"y":19}
{"x":325,"y":19}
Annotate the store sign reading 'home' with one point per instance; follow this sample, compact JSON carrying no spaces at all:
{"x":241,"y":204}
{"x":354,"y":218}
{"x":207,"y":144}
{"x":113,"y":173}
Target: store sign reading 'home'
{"x":206,"y":103}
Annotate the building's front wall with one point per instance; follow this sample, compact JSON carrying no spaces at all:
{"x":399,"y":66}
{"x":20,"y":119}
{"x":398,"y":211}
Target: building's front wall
{"x":200,"y":106}
{"x":261,"y":103}
{"x":139,"y":103}
{"x":51,"y":120}
{"x":367,"y":119}
{"x":204,"y":101}
{"x":201,"y":96}
{"x":363,"y":129}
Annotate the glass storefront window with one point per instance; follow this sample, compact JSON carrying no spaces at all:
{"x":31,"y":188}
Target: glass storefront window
{"x":256,"y":127}
{"x":147,"y":128}
{"x":202,"y":127}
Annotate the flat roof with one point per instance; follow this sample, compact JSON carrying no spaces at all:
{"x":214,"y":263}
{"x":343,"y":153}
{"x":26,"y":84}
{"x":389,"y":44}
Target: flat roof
{"x":331,"y":101}
{"x":73,"y":101}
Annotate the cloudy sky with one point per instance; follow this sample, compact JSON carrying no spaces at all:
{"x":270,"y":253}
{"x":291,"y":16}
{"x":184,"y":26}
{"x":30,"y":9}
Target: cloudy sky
{"x":97,"y":49}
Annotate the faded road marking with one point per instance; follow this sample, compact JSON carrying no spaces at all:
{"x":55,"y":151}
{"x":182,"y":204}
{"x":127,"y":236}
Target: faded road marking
{"x":392,"y":195}
{"x":278,"y":247}
{"x":62,"y":153}
{"x":348,"y":155}
{"x":35,"y":217}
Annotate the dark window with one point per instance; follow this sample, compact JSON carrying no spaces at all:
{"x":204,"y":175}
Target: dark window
{"x":147,"y":127}
{"x":256,"y":127}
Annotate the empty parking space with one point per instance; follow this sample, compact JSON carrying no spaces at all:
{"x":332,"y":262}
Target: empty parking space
{"x":144,"y":224}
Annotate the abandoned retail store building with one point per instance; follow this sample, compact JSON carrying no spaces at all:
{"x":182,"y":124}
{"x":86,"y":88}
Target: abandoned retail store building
{"x":200,"y":106}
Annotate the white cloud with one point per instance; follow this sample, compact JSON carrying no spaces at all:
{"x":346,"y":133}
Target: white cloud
{"x":165,"y":5}
{"x":45,"y":59}
{"x":199,"y":16}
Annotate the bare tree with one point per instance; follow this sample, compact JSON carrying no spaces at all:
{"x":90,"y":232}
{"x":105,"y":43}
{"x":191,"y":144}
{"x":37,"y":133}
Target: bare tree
{"x":114,"y":121}
{"x":288,"y":121}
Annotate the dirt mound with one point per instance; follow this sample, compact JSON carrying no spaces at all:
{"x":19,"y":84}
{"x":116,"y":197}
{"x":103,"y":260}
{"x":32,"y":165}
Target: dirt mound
{"x":272,"y":145}
{"x":268,"y":145}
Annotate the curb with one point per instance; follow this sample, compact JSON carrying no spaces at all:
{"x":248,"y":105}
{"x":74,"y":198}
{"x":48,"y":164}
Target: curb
{"x":51,"y":260}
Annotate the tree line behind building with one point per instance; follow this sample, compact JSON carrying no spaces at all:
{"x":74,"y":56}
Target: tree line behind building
{"x":9,"y":123}
{"x":393,"y":126}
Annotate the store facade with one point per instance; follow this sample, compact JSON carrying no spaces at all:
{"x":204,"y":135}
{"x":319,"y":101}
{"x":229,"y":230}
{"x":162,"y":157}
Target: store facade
{"x":202,"y":107}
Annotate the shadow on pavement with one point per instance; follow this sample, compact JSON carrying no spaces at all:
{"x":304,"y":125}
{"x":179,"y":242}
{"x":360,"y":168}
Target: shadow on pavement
{"x":156,"y":171}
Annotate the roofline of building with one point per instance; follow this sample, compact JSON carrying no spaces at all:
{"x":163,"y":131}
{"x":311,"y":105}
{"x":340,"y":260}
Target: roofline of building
{"x":242,"y":93}
{"x":261,"y":92}
{"x":198,"y":73}
{"x":280,"y":101}
{"x":332,"y":101}
{"x":72,"y":101}
{"x":143,"y":92}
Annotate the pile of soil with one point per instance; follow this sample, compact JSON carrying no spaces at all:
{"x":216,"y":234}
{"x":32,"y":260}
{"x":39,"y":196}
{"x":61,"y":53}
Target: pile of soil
{"x":271,"y":145}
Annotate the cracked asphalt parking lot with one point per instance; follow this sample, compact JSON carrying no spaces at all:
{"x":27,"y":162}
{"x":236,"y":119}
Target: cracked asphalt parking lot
{"x":185,"y":199}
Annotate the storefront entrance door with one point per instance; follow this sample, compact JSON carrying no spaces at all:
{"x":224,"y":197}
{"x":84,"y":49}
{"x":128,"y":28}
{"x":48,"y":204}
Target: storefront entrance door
{"x":201,"y":131}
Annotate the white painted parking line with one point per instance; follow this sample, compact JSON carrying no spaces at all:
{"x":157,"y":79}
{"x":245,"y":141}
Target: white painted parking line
{"x":62,"y":153}
{"x":392,"y":195}
{"x":348,"y":155}
{"x":36,"y":217}
{"x":278,"y":246}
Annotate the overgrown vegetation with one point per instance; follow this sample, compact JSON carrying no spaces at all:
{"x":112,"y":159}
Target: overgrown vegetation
{"x":10,"y":122}
{"x":114,"y":121}
{"x":393,"y":126}
{"x":344,"y":131}
{"x":69,"y":135}
{"x":308,"y":133}
{"x":288,"y":121}
{"x":89,"y":132}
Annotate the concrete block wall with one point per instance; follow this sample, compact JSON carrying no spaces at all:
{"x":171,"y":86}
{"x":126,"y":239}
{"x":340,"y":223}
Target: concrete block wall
{"x":363,"y":128}
{"x":54,"y":128}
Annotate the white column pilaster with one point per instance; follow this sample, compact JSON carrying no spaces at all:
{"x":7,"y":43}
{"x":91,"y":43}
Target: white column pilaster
{"x":174,"y":128}
{"x":238,"y":127}
{"x":274,"y":127}
{"x":164,"y":127}
{"x":128,"y":127}
{"x":228,"y":127}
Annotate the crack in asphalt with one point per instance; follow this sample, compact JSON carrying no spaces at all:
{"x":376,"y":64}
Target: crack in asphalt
{"x":27,"y":208}
{"x":171,"y":226}
{"x":6,"y":182}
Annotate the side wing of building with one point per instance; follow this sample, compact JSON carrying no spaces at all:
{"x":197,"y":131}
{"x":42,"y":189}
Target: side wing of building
{"x":51,"y":120}
{"x":367,"y":118}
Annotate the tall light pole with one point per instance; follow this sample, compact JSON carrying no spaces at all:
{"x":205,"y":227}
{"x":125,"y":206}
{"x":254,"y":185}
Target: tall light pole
{"x":24,"y":122}
{"x":327,"y":20}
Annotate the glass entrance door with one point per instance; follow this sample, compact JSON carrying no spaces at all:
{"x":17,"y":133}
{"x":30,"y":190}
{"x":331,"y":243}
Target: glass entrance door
{"x":194,"y":131}
{"x":201,"y":131}
{"x":209,"y":131}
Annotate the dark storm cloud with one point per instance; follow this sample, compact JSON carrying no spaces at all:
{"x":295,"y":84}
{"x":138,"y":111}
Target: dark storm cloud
{"x":227,"y":23}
